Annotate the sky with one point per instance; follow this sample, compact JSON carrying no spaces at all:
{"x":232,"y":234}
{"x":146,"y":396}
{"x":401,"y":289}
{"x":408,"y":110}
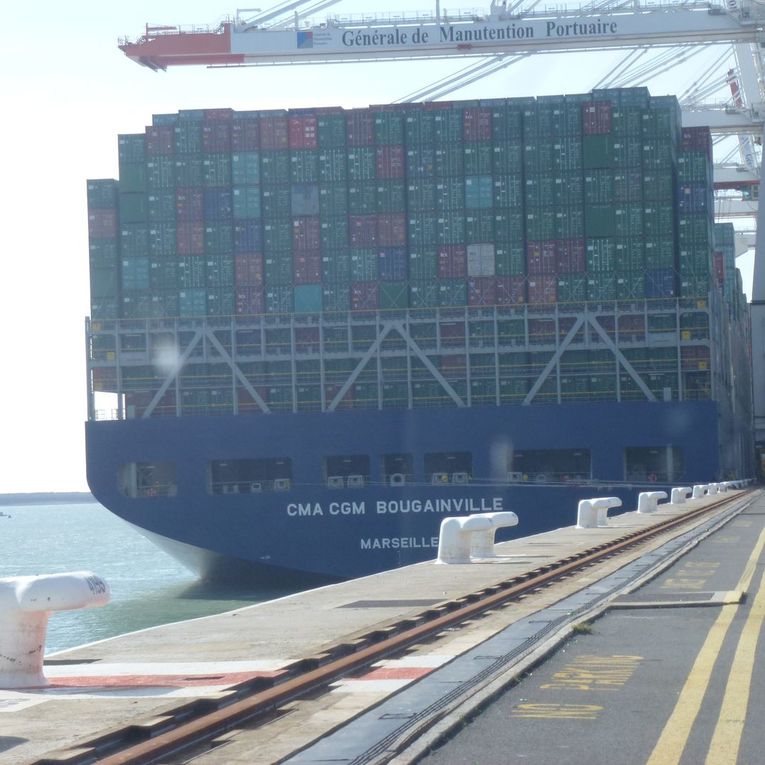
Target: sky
{"x":68,"y":91}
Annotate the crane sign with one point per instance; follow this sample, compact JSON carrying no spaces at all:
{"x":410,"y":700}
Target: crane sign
{"x":242,"y":43}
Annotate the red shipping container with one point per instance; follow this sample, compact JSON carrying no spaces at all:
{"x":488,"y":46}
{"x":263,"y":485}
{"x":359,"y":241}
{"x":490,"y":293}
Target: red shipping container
{"x":543,"y":289}
{"x":482,"y":291}
{"x":160,"y":140}
{"x":541,"y":257}
{"x":305,"y":336}
{"x":190,"y":238}
{"x":306,"y":234}
{"x":596,"y":118}
{"x":218,"y":115}
{"x":274,"y":133}
{"x":632,"y":327}
{"x":359,"y":127}
{"x":331,"y":390}
{"x":453,"y":366}
{"x":302,"y":132}
{"x":390,"y":161}
{"x":246,"y":403}
{"x":453,"y":335}
{"x":696,"y":138}
{"x":391,"y":230}
{"x":476,"y":124}
{"x":541,"y":331}
{"x":249,"y":300}
{"x":216,"y":137}
{"x":363,"y":230}
{"x":188,"y":204}
{"x":452,"y":261}
{"x":102,"y":224}
{"x":245,"y":135}
{"x":694,"y":357}
{"x":511,"y":290}
{"x":719,"y":266}
{"x":570,"y":258}
{"x":248,"y":269}
{"x":364,"y":296}
{"x":307,"y":267}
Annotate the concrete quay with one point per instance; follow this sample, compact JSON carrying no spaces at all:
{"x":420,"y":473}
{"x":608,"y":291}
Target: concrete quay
{"x":138,"y":678}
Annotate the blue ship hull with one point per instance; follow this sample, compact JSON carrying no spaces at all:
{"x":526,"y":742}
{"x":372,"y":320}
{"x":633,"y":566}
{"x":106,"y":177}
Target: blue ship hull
{"x":311,"y":532}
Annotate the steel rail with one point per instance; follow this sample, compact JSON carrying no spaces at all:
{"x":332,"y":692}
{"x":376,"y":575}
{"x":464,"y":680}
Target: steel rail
{"x":202,"y":720}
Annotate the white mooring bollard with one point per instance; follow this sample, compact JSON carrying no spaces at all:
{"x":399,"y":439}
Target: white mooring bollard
{"x":713,"y":489}
{"x":647,"y":500}
{"x":482,"y":542}
{"x":699,"y":490}
{"x":592,"y":513}
{"x":25,"y":605}
{"x":454,"y":537}
{"x":680,"y":494}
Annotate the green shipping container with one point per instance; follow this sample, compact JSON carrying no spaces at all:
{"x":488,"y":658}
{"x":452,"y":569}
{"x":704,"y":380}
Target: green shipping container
{"x":133,"y":208}
{"x":103,"y":283}
{"x":333,"y":200}
{"x":188,"y":171}
{"x":131,"y":148}
{"x":362,"y":163}
{"x":246,"y":202}
{"x":160,"y":173}
{"x":364,"y":266}
{"x":333,"y":165}
{"x":330,"y":130}
{"x":423,"y":265}
{"x":390,"y":197}
{"x":274,"y":168}
{"x":597,"y":151}
{"x":394,"y":295}
{"x":423,"y":294}
{"x":601,"y":286}
{"x":160,"y":206}
{"x":102,"y":194}
{"x":276,"y":204}
{"x":133,"y":177}
{"x":336,"y":297}
{"x":277,"y":269}
{"x":304,"y":167}
{"x":600,"y":221}
{"x":336,"y":267}
{"x":245,"y":168}
{"x":308,"y":298}
{"x":216,"y":169}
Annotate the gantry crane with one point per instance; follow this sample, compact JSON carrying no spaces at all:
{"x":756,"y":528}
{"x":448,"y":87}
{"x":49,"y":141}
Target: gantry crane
{"x":506,"y":34}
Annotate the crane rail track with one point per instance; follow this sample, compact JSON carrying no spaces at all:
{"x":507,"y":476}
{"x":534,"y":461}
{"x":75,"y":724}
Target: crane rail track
{"x":193,"y":723}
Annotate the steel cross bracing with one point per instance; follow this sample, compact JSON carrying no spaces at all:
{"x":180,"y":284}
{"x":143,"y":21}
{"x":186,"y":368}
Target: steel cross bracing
{"x":192,"y":346}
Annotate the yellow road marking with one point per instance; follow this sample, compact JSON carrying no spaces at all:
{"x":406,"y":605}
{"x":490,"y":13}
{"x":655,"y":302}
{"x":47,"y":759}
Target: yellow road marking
{"x":674,"y":737}
{"x":730,"y":724}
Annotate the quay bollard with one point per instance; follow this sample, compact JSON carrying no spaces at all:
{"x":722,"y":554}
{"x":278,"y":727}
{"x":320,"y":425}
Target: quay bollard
{"x":680,"y":494}
{"x":647,"y":500}
{"x":592,"y":513}
{"x":454,"y":537}
{"x":699,"y":490}
{"x":713,"y":489}
{"x":26,"y":602}
{"x":482,"y":542}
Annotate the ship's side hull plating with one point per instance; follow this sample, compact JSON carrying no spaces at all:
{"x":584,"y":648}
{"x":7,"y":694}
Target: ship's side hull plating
{"x":311,"y":530}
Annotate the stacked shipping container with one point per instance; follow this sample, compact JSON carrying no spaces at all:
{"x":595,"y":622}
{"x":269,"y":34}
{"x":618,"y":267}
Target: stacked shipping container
{"x":566,"y":198}
{"x":528,"y":207}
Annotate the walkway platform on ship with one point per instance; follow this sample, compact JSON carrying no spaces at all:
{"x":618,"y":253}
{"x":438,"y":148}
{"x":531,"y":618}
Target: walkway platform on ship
{"x":607,"y":675}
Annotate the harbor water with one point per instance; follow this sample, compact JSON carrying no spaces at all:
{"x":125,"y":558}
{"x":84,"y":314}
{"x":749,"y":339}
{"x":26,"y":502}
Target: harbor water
{"x":147,"y":586}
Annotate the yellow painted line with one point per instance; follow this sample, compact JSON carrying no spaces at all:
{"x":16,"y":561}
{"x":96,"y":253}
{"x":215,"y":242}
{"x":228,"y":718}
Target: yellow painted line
{"x":669,"y":748}
{"x":730,"y":724}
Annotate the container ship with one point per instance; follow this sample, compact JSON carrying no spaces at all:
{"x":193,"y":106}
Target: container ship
{"x":316,"y":333}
